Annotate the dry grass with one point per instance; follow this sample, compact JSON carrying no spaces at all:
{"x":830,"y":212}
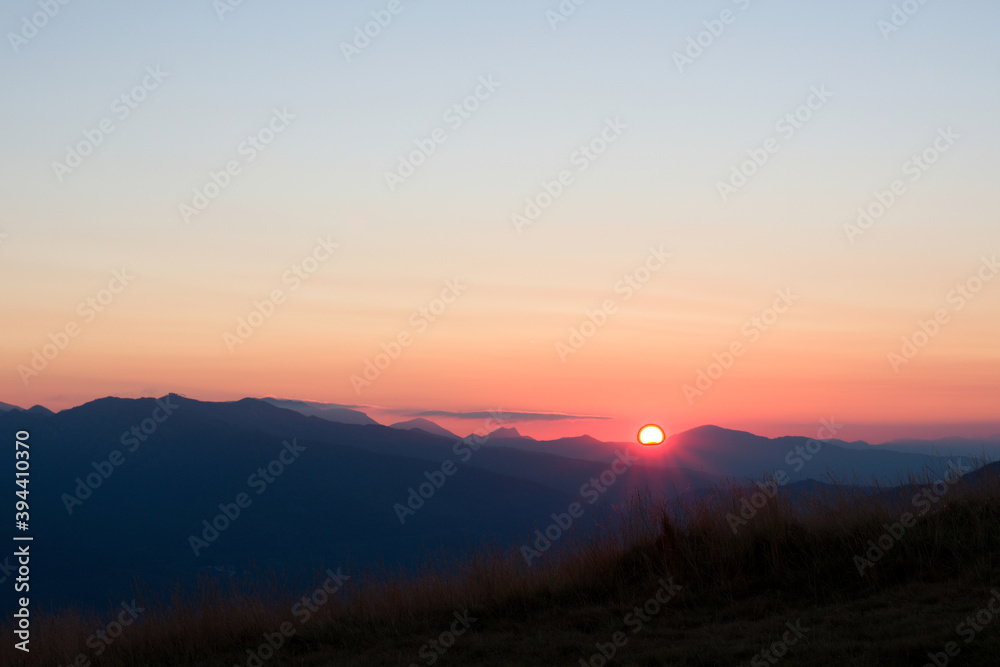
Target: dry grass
{"x":795,"y":559}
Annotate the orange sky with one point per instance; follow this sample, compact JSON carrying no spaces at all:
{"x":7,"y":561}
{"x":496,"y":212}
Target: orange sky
{"x":642,"y":269}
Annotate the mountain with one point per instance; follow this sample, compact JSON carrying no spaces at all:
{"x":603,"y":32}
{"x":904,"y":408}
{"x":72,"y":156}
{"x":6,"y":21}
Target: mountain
{"x":508,"y":433}
{"x":328,"y":411}
{"x":35,"y":409}
{"x":577,"y":447}
{"x":729,"y":453}
{"x":724,"y":453}
{"x":987,"y":471}
{"x":133,"y":484}
{"x":425,"y":425}
{"x":971,"y":447}
{"x":129,"y":482}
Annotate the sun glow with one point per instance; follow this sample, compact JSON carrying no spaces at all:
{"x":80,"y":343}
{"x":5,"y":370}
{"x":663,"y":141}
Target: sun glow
{"x":651,"y":434}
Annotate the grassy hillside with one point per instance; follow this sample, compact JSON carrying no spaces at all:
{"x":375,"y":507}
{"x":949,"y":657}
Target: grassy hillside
{"x":840,"y":579}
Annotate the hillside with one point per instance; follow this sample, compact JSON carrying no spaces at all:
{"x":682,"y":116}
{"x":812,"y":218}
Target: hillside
{"x":810,"y":585}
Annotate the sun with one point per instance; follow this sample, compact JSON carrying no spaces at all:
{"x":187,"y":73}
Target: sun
{"x":651,"y":434}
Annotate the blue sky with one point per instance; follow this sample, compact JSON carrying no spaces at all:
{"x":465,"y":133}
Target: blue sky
{"x":557,"y":88}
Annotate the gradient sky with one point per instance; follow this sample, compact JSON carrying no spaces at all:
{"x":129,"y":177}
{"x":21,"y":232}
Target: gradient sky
{"x":496,"y":345}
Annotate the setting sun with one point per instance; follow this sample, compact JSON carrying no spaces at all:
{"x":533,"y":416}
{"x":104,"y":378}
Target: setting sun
{"x":651,"y":434}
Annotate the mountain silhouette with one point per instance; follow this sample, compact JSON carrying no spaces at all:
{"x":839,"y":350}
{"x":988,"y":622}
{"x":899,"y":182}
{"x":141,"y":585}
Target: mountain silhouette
{"x":35,"y":409}
{"x":506,"y":433}
{"x":125,"y":483}
{"x":425,"y":425}
{"x":740,"y":454}
{"x":955,"y":446}
{"x":334,"y":413}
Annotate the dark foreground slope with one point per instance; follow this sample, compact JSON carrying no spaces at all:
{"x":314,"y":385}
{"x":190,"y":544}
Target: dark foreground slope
{"x":852,"y":580}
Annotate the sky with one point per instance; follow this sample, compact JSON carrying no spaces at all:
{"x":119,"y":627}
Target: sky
{"x":751,"y":214}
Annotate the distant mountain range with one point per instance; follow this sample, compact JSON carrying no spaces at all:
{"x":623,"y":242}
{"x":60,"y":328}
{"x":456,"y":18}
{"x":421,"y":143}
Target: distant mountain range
{"x":120,"y":486}
{"x":334,"y":413}
{"x":36,"y":409}
{"x":972,"y":446}
{"x":425,"y":425}
{"x":508,"y":432}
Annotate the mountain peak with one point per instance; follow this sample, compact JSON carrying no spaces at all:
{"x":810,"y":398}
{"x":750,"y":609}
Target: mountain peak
{"x":329,"y":411}
{"x":425,"y":425}
{"x":507,"y":432}
{"x":709,"y":431}
{"x":579,"y":439}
